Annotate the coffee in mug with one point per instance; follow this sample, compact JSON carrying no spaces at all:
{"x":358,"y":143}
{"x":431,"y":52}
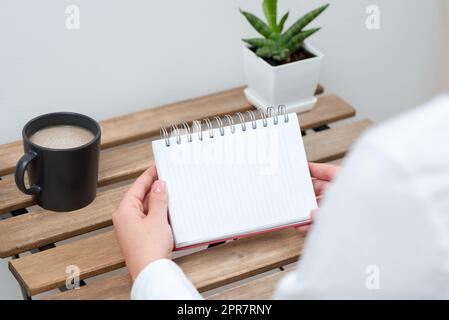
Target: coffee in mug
{"x":61,"y":159}
{"x":62,"y":137}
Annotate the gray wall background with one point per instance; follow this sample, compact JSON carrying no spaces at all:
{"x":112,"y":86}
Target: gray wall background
{"x":135,"y":54}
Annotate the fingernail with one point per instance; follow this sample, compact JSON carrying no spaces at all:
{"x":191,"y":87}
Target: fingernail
{"x":158,"y":186}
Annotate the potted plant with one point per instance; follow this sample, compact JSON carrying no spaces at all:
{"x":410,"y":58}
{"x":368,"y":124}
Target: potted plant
{"x":280,"y":68}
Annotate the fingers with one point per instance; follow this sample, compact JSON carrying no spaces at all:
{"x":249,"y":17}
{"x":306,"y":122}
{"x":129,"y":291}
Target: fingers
{"x":313,"y":214}
{"x":136,"y":194}
{"x":306,"y":228}
{"x":158,"y":202}
{"x":323,"y":171}
{"x":319,"y":186}
{"x":145,"y":203}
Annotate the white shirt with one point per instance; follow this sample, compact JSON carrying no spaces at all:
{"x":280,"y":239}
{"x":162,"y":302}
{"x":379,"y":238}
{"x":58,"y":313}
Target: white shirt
{"x":383,"y":229}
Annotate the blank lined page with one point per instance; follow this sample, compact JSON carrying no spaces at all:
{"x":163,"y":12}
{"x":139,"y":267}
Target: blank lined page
{"x":234,"y":182}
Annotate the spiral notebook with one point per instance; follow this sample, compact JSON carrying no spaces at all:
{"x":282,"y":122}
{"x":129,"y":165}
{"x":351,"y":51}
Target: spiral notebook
{"x":234,"y":176}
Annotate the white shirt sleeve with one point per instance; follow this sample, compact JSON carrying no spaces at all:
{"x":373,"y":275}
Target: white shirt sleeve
{"x":382,"y":230}
{"x":163,"y":280}
{"x":364,"y":242}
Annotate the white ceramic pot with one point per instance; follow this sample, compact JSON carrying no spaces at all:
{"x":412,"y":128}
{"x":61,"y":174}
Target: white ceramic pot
{"x":292,"y":85}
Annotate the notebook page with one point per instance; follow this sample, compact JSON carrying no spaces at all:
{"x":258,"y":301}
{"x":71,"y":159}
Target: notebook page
{"x":236,"y":183}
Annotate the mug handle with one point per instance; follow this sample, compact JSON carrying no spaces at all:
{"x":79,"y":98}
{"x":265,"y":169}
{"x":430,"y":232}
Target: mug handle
{"x":20,"y":172}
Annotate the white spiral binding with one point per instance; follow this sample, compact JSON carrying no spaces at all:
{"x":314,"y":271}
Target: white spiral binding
{"x":197,"y":125}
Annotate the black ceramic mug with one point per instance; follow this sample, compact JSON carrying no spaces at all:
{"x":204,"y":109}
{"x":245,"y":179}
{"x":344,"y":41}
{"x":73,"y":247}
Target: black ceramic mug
{"x":62,"y":179}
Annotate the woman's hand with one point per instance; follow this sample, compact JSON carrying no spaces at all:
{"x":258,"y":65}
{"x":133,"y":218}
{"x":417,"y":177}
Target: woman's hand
{"x":141,"y":223}
{"x":322,"y":176}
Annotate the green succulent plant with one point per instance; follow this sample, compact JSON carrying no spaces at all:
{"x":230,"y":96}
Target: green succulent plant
{"x":276,"y":44}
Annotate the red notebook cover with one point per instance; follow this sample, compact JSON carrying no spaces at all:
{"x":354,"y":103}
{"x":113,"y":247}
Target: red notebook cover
{"x":307,"y":222}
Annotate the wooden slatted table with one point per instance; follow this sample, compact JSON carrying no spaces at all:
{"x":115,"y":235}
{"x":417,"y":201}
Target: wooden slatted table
{"x":246,"y":268}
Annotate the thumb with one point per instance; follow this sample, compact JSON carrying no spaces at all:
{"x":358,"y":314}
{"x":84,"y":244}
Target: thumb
{"x":158,"y":202}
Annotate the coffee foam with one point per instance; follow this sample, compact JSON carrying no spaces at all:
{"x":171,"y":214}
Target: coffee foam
{"x":62,"y":137}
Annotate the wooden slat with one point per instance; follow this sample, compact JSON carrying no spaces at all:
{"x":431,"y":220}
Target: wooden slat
{"x":43,"y":227}
{"x":11,"y":198}
{"x":100,"y":253}
{"x":103,"y":248}
{"x":9,"y":155}
{"x":207,"y":269}
{"x":259,"y":289}
{"x":114,"y":288}
{"x":333,"y":144}
{"x":129,"y":161}
{"x":38,"y":228}
{"x":146,"y":123}
{"x":116,"y":165}
{"x":119,"y":288}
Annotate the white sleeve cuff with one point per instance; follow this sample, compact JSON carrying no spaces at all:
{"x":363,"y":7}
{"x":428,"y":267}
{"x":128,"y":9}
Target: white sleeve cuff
{"x":163,"y":280}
